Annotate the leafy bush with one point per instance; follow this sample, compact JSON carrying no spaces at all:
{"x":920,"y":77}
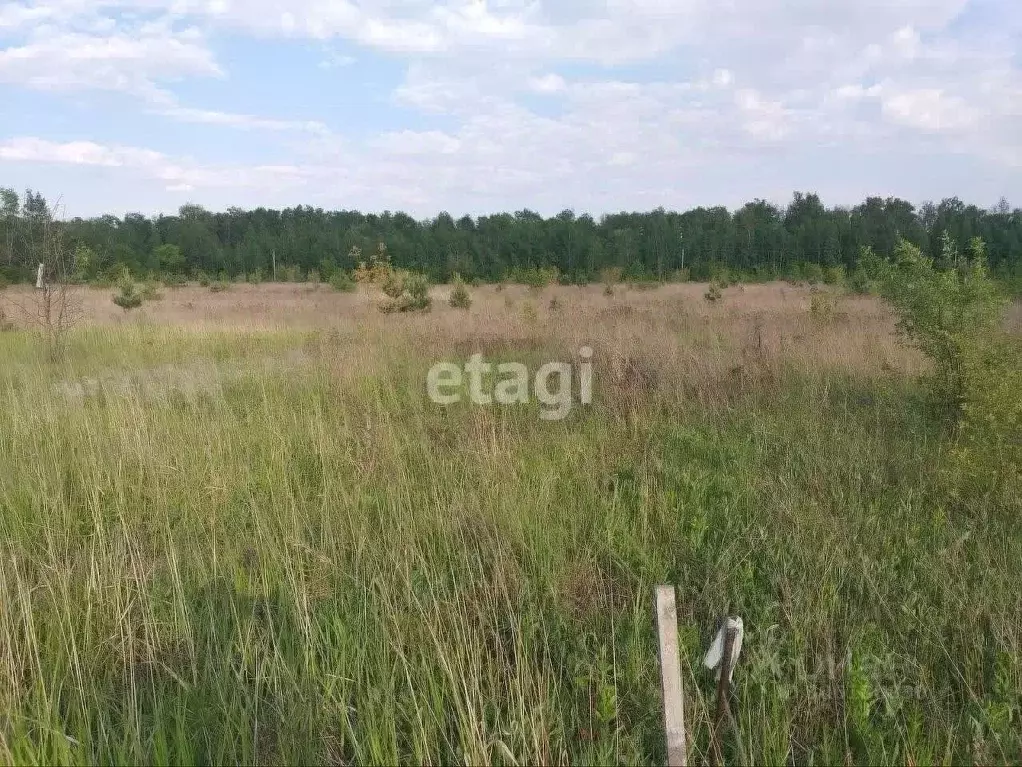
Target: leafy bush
{"x":393,"y":284}
{"x":538,"y":277}
{"x":414,"y":295}
{"x":128,"y":298}
{"x":460,"y":299}
{"x":175,"y":280}
{"x":169,"y":258}
{"x":417,"y":287}
{"x":833,"y":275}
{"x":341,"y":281}
{"x":948,"y":314}
{"x":813,"y":273}
{"x":859,"y":282}
{"x":327,"y":267}
{"x":379,"y":268}
{"x":722,"y":277}
{"x":953,"y":315}
{"x":987,"y":456}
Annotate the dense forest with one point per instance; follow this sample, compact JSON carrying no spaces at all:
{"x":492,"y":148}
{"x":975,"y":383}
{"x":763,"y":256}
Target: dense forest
{"x":757,"y":241}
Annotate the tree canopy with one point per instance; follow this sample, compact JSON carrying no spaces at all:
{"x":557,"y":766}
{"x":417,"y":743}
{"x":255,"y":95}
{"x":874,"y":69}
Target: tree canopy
{"x":759,"y":240}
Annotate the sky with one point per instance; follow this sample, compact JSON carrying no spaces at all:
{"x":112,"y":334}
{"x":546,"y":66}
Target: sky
{"x":480,"y":106}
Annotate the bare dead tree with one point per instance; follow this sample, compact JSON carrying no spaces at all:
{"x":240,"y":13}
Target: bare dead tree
{"x":55,"y":307}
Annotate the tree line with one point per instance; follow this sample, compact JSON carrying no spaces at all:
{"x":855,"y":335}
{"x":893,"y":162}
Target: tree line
{"x":757,"y":241}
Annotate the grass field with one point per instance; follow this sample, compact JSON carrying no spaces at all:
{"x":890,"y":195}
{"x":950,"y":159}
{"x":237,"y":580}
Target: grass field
{"x":234,"y":529}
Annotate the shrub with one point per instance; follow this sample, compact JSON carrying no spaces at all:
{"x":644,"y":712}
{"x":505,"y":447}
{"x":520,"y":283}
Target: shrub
{"x":342,"y":282}
{"x":833,"y":275}
{"x":813,"y":273}
{"x":128,"y":298}
{"x":538,"y":277}
{"x":414,"y":295}
{"x":417,"y":287}
{"x":722,"y":276}
{"x":953,"y":315}
{"x":377,"y":271}
{"x":987,"y":455}
{"x":460,"y":299}
{"x":393,"y":284}
{"x":859,"y":282}
{"x":174,"y":280}
{"x":327,"y":267}
{"x":948,"y":314}
{"x":151,"y":291}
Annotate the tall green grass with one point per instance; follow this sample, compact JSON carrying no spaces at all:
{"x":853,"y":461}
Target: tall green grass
{"x":223,"y":547}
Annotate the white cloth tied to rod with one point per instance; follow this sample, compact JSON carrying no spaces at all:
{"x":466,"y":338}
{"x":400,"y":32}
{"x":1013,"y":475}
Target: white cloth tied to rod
{"x":715,"y":654}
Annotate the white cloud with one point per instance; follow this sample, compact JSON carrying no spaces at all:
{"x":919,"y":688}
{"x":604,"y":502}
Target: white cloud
{"x":723,"y":78}
{"x":417,"y":143}
{"x":121,"y":62}
{"x":174,"y":174}
{"x":719,"y":86}
{"x":930,"y":109}
{"x":249,"y":122}
{"x":29,"y":149}
{"x":548,"y":83}
{"x":761,"y":118}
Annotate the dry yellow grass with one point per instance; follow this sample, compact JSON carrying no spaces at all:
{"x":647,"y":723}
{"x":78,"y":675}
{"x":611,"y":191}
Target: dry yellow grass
{"x":670,"y":323}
